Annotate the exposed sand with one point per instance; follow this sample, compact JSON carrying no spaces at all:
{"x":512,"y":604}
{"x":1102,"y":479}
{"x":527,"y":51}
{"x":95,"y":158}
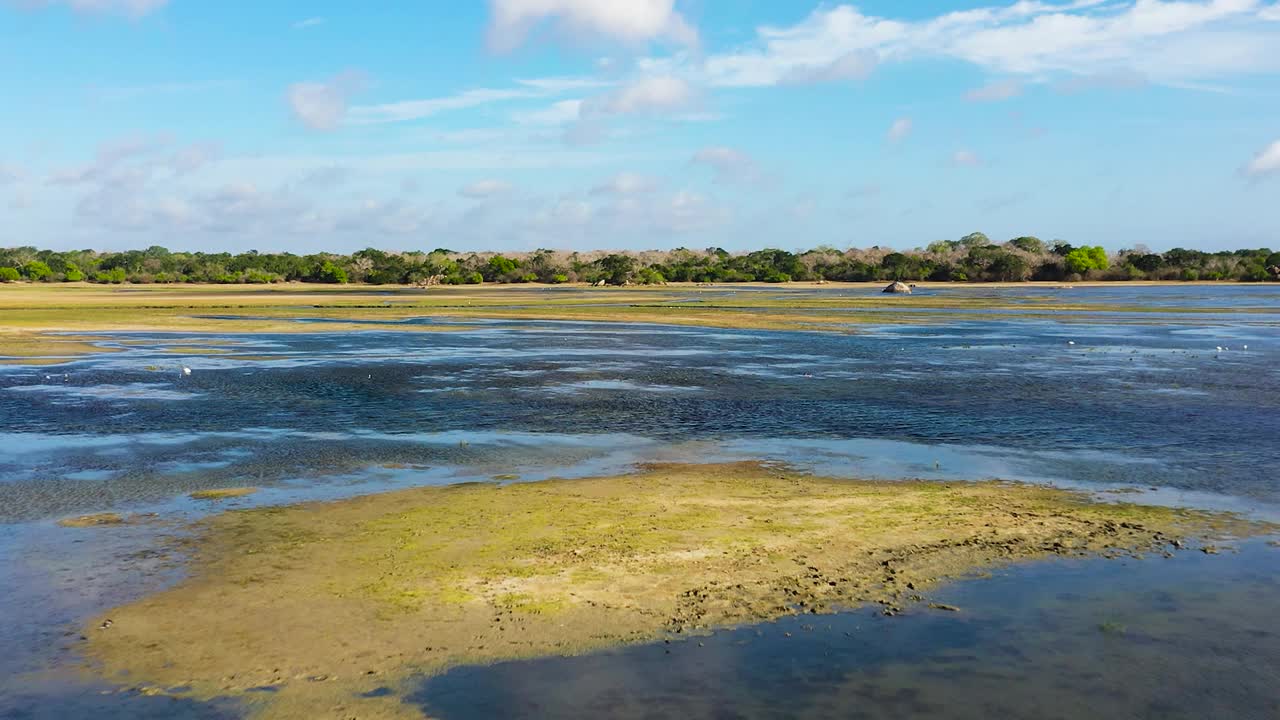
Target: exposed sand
{"x":323,"y":602}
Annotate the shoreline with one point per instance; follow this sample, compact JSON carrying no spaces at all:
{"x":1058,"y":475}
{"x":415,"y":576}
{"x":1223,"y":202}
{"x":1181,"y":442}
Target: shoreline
{"x":373,"y":590}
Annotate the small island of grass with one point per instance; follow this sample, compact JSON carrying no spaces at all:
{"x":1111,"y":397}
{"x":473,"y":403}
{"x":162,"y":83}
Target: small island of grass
{"x":223,"y":493}
{"x":324,"y":602}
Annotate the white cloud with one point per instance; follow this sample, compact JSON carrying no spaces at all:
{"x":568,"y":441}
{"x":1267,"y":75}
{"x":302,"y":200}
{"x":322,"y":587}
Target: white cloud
{"x":1167,"y":41}
{"x":114,"y":162}
{"x":418,"y":109}
{"x":528,"y":89}
{"x":194,"y":157}
{"x":1271,"y":13}
{"x":1266,"y":162}
{"x":625,"y":184}
{"x":556,"y":85}
{"x":652,"y":94}
{"x":688,"y":212}
{"x":309,"y":22}
{"x":966,"y":158}
{"x":484,"y":189}
{"x":131,"y":8}
{"x":558,"y":113}
{"x":900,"y":129}
{"x":323,"y":105}
{"x":9,"y":173}
{"x":629,"y":21}
{"x":1117,"y":80}
{"x":853,"y":65}
{"x":992,"y":92}
{"x":730,"y":165}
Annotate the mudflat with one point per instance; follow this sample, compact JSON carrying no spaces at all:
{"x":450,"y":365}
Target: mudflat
{"x":316,"y":609}
{"x":46,"y":324}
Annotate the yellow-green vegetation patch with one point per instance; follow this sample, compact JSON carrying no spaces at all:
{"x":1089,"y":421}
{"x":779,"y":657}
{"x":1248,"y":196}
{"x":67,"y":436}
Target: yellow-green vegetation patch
{"x":373,"y":589}
{"x":223,"y":493}
{"x":106,"y":519}
{"x":94,"y":520}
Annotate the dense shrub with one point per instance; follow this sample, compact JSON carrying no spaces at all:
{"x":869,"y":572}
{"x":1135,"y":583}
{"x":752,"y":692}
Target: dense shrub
{"x":972,"y":258}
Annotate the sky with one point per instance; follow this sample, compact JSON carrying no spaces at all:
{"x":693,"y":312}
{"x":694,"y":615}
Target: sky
{"x":511,"y":125}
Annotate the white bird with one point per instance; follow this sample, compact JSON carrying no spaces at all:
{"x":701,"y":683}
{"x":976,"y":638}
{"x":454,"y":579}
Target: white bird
{"x":1071,"y":342}
{"x":1219,"y":348}
{"x":186,"y":370}
{"x":1246,"y":347}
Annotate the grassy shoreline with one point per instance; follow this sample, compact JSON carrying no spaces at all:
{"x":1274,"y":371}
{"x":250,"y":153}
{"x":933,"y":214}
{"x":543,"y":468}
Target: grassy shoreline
{"x":322,"y":602}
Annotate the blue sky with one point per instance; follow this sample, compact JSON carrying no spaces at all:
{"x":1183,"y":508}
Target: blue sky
{"x":595,"y":124}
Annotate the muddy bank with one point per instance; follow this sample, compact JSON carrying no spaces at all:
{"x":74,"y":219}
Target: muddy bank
{"x":311,"y":609}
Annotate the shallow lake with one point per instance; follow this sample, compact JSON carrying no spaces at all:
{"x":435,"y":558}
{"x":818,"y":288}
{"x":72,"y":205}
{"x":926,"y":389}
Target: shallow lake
{"x":1146,"y":404}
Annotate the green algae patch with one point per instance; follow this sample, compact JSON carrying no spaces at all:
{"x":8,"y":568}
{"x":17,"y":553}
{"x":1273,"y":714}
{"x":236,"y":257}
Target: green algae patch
{"x":95,"y":520}
{"x":106,"y":519}
{"x":368,"y":591}
{"x":223,"y":493}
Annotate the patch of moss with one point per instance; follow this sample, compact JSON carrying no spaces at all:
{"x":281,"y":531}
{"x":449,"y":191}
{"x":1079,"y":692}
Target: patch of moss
{"x":96,"y":520}
{"x":423,"y":579}
{"x":222,"y":493}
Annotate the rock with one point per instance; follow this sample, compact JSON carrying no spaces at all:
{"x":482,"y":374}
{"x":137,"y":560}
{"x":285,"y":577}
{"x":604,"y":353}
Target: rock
{"x":898,"y":288}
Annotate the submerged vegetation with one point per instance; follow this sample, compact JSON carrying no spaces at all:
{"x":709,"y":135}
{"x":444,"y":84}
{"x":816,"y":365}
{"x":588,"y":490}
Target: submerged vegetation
{"x":973,"y":258}
{"x":323,"y":604}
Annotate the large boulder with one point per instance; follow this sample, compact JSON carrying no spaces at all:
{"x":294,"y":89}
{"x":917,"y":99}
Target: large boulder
{"x":898,"y":288}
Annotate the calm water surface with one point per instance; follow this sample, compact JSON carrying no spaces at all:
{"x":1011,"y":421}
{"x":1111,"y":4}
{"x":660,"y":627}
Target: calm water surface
{"x":1150,"y":405}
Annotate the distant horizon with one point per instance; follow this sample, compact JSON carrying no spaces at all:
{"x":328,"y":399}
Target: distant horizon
{"x":585,"y":124}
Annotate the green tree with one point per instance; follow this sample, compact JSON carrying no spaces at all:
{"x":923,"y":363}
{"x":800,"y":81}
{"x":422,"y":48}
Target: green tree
{"x":1083,"y":259}
{"x":37,"y":271}
{"x":330,"y":273}
{"x":499,"y":266}
{"x":1029,"y":244}
{"x":8,"y":274}
{"x":617,"y":269}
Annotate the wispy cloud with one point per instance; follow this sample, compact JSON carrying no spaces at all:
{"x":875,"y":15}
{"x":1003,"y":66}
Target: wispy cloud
{"x":965,"y":158}
{"x":992,"y":92}
{"x":130,"y":8}
{"x":729,"y":164}
{"x":900,"y":129}
{"x":625,"y":184}
{"x":1164,"y":41}
{"x":323,"y":105}
{"x":525,"y":89}
{"x":1265,"y":163}
{"x":483,"y":189}
{"x":308,"y":23}
{"x":653,"y":94}
{"x":558,"y":113}
{"x":627,"y":21}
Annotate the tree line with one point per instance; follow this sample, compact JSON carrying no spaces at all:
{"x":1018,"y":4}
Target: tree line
{"x":972,"y":258}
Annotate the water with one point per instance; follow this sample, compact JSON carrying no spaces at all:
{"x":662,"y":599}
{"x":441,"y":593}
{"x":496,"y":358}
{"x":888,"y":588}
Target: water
{"x":1087,"y":639}
{"x":1144,"y":402}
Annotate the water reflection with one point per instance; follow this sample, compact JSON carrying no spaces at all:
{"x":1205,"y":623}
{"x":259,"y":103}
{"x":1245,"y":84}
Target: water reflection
{"x":1186,"y":638}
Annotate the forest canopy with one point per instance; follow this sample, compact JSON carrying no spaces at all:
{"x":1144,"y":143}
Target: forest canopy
{"x":972,"y":258}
